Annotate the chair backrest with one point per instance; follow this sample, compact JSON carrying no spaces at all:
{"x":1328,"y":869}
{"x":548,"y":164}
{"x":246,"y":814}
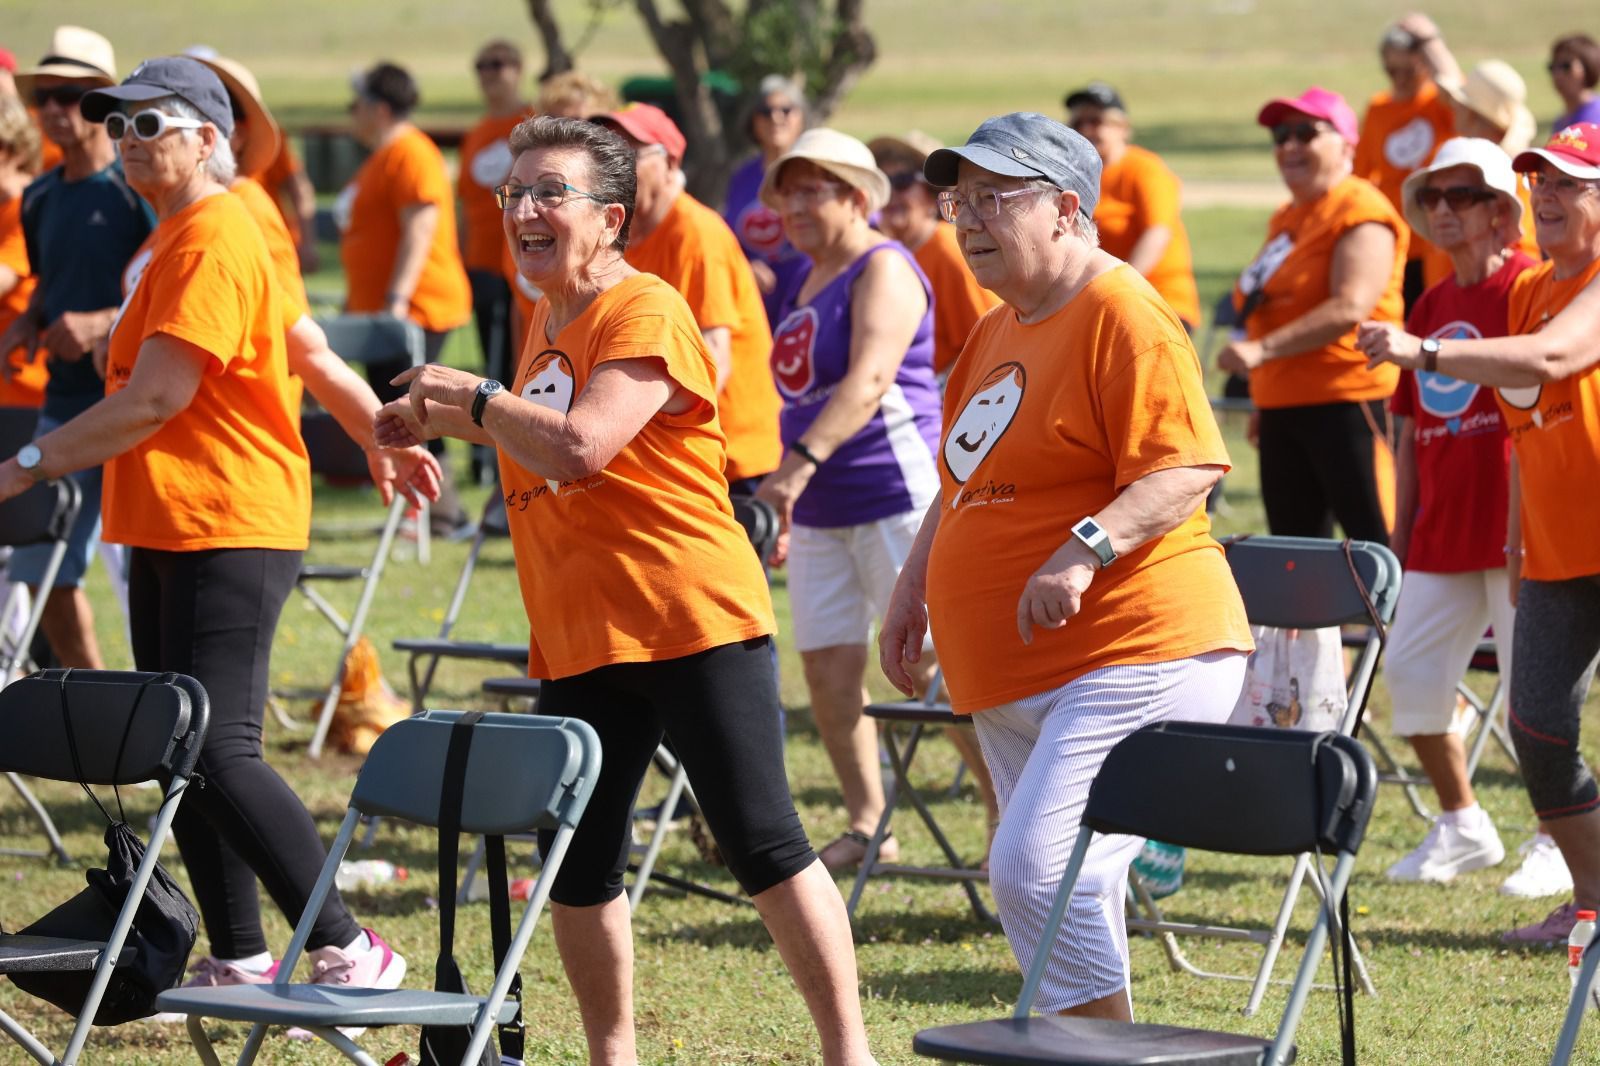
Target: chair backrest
{"x":1306,"y":582}
{"x":41,"y":514}
{"x":333,"y":454}
{"x":374,"y":338}
{"x":760,"y":521}
{"x":1236,"y":789}
{"x":128,"y":726}
{"x":523,"y":772}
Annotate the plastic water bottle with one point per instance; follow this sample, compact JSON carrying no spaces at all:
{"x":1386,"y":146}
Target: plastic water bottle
{"x":1577,"y":943}
{"x":367,"y":873}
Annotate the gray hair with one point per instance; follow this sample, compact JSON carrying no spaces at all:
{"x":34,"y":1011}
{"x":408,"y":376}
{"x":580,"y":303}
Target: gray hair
{"x":1082,"y":223}
{"x":611,"y":172}
{"x":221,"y":167}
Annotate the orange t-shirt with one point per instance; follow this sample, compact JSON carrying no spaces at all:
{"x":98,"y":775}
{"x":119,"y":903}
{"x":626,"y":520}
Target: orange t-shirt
{"x":29,"y":370}
{"x":1555,"y":430}
{"x":407,"y":171}
{"x":1137,"y":193}
{"x":1292,"y":273}
{"x":1397,"y":137}
{"x":958,"y":300}
{"x":695,"y":252}
{"x":284,"y":166}
{"x":643,"y":561}
{"x":485,"y":162}
{"x":230,"y":469}
{"x":280,"y":248}
{"x":1116,"y":394}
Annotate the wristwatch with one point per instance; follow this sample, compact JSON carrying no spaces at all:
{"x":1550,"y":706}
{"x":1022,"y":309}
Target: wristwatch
{"x":1430,"y":354}
{"x":487,"y":390}
{"x":29,"y":458}
{"x":1096,"y":539}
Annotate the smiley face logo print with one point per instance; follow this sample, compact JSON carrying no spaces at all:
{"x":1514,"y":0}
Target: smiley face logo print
{"x":550,"y":384}
{"x":983,"y":420}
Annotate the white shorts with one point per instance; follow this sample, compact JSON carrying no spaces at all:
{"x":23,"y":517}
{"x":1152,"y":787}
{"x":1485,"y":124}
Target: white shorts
{"x":1044,"y":752}
{"x":1438,"y":624}
{"x":841,"y":578}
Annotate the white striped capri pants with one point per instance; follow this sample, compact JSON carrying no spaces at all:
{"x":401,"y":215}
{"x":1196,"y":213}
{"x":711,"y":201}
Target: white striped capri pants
{"x":1044,"y":751}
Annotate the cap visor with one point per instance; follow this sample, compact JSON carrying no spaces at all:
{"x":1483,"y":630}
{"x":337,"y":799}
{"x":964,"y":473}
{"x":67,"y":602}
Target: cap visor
{"x":944,"y":165}
{"x":1530,"y":159}
{"x":100,"y":103}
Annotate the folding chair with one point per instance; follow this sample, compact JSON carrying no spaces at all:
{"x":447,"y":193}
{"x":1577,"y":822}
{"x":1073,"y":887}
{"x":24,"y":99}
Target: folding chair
{"x":1491,"y":712}
{"x":1232,"y":789}
{"x":1295,"y":583}
{"x":523,"y":773}
{"x":42,"y":515}
{"x":1578,"y":1004}
{"x":126,"y":728}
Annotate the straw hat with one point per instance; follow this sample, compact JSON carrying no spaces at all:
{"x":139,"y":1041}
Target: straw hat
{"x":914,"y":147}
{"x":264,"y":137}
{"x":1498,"y":93}
{"x":1482,"y":155}
{"x":74,"y":53}
{"x":840,"y":155}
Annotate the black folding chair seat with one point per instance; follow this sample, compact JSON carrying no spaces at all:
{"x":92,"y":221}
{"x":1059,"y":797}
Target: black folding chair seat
{"x":36,"y":954}
{"x":515,"y":654}
{"x":515,"y":687}
{"x":1056,"y":1040}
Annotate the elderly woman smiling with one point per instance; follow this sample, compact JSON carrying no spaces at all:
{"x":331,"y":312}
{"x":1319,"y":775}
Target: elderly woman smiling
{"x":647,"y":609}
{"x":1077,"y":452}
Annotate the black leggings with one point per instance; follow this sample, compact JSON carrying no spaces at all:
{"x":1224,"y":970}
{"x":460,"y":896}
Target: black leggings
{"x":1553,"y":654}
{"x":718,"y":708}
{"x":212,"y":615}
{"x":491,"y":308}
{"x":1319,"y":464}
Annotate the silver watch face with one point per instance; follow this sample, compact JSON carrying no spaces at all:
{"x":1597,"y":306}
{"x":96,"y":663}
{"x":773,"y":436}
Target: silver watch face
{"x":490,"y":387}
{"x":29,"y":457}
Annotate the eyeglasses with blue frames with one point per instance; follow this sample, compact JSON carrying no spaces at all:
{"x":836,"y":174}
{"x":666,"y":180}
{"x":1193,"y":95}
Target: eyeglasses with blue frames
{"x":546,"y":195}
{"x":984,"y":204}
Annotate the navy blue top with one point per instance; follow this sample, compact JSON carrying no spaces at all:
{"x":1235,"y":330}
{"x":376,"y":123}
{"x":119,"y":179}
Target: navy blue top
{"x":80,"y":235}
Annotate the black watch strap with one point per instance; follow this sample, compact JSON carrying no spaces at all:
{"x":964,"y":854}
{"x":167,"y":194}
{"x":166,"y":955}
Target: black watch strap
{"x":799,"y":448}
{"x":486,"y":389}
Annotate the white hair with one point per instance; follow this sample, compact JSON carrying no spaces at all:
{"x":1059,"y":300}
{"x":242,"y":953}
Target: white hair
{"x":221,"y":167}
{"x":1082,"y":223}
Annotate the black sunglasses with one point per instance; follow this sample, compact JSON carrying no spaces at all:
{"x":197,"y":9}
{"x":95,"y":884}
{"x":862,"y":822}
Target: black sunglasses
{"x":484,"y":66}
{"x":65,"y":95}
{"x":776,"y":112}
{"x":1459,"y":197}
{"x":906,"y":179}
{"x":1299,"y":132}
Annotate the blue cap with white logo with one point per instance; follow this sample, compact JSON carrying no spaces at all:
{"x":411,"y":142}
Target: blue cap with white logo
{"x":1025,"y":144}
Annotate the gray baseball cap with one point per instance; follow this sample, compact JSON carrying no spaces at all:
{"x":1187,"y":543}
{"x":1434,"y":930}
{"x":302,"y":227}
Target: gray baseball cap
{"x":153,"y":79}
{"x":1025,"y":144}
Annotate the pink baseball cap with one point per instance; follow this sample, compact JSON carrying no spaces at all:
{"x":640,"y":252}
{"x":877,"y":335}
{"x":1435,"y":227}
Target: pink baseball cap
{"x":647,"y":123}
{"x":1316,"y":102}
{"x":8,"y":61}
{"x":1575,"y":151}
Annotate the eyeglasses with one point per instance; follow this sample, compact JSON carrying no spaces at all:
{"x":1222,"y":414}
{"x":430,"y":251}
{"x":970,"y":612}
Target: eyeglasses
{"x":489,"y":66}
{"x":1459,"y":197}
{"x":147,"y":125}
{"x":776,"y":112}
{"x":65,"y":95}
{"x":1557,"y":65}
{"x":547,"y":195}
{"x":906,"y":179}
{"x":1299,"y":132}
{"x":984,"y":204}
{"x":810,"y":195}
{"x":1558,"y":183}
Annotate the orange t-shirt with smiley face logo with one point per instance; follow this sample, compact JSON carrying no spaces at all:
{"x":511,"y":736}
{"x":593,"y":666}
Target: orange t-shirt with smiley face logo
{"x":230,"y":469}
{"x":485,"y":163}
{"x":1398,"y":137}
{"x":644,"y":561}
{"x":1045,"y":424}
{"x":1555,"y":431}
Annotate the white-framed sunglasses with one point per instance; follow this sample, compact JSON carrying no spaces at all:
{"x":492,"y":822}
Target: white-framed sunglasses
{"x":147,"y":125}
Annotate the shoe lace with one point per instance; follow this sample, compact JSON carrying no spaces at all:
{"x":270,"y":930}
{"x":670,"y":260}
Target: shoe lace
{"x":333,"y":970}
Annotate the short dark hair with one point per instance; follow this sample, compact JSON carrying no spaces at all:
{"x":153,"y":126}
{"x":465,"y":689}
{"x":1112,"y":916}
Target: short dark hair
{"x":1582,"y":47}
{"x":611,"y":173}
{"x":502,"y":48}
{"x":393,"y":85}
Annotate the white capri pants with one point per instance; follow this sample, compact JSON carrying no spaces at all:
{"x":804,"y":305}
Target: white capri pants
{"x":841,"y":578}
{"x":1044,"y":752}
{"x":1437,"y":626}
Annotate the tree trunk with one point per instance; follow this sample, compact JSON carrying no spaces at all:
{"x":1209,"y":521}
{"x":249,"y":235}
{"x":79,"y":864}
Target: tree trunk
{"x":557,"y":59}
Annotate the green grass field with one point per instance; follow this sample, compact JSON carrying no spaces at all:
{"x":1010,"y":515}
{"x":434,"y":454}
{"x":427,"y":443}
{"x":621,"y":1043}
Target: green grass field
{"x":710,"y":989}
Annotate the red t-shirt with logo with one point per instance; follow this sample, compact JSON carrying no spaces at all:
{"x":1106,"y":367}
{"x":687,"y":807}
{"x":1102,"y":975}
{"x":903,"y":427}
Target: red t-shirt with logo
{"x":1462,"y":453}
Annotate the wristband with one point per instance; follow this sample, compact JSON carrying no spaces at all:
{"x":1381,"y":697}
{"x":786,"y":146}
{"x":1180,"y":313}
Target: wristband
{"x":805,"y":453}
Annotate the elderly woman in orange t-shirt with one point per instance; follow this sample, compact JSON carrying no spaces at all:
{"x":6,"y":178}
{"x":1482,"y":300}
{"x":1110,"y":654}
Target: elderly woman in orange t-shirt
{"x":648,"y":613}
{"x":208,"y":482}
{"x":1077,"y":451}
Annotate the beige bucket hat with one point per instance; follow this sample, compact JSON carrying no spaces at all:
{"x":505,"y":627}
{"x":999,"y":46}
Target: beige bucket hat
{"x":74,"y":53}
{"x":1484,"y":156}
{"x":840,"y":155}
{"x":262,"y":131}
{"x":1497,"y":92}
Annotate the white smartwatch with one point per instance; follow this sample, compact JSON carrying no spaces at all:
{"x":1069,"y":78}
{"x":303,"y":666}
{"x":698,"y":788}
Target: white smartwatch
{"x":1096,"y":539}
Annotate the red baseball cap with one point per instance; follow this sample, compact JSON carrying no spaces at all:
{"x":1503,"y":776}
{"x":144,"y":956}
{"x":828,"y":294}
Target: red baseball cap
{"x":649,"y":124}
{"x":1575,"y":151}
{"x":1316,"y":102}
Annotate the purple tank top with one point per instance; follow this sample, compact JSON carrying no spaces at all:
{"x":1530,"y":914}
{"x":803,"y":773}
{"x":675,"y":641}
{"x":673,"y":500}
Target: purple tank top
{"x":887,"y":468}
{"x":760,"y":233}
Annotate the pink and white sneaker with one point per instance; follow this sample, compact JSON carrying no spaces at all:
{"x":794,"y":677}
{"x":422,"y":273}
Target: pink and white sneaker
{"x":211,"y":972}
{"x":380,"y":966}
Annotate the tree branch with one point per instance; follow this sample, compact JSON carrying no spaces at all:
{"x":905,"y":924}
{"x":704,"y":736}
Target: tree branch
{"x":557,"y":59}
{"x":852,"y":50}
{"x":701,"y":122}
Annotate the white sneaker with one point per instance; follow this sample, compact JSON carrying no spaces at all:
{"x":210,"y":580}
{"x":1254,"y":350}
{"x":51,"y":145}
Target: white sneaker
{"x":1543,"y":871}
{"x":1448,"y":850}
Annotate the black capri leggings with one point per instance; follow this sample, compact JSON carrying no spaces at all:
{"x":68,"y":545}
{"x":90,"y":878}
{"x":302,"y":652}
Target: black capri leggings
{"x":1553,"y":653}
{"x":1319,"y":463}
{"x":717,"y":706}
{"x":212,"y":615}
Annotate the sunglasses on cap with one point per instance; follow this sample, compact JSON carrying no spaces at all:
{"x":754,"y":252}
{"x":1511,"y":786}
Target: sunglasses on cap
{"x":147,"y":125}
{"x":1299,"y":132}
{"x":65,"y":95}
{"x":1459,"y":197}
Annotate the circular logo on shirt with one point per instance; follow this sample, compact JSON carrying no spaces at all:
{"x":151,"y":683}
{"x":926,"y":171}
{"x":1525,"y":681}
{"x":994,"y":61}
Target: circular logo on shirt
{"x":983,"y":420}
{"x":1266,"y":263}
{"x":793,"y":359}
{"x":760,"y":230}
{"x":1407,"y":148}
{"x":343,"y":206}
{"x":492,"y":163}
{"x":1440,"y":394}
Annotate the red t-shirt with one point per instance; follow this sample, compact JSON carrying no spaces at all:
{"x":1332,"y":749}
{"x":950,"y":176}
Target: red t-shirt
{"x":1463,"y":455}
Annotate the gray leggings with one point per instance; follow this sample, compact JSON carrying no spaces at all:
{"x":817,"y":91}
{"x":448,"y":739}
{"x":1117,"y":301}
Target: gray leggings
{"x":1554,"y":651}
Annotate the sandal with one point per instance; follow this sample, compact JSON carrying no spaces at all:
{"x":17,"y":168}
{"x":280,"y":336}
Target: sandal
{"x":846,"y":850}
